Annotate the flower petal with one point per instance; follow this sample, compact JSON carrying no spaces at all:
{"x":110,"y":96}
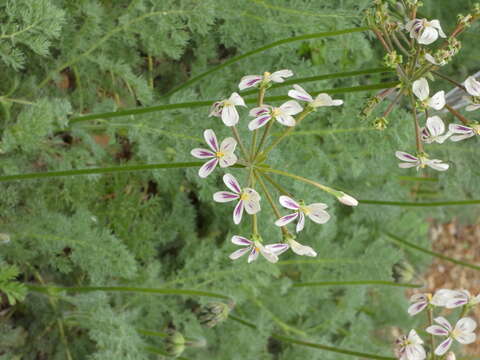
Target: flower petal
{"x":238,"y":212}
{"x":429,"y":35}
{"x":406,"y":165}
{"x":249,"y":81}
{"x":286,"y":120}
{"x":299,"y":93}
{"x":291,"y":107}
{"x":318,"y":213}
{"x":444,"y":346}
{"x":253,"y":254}
{"x":225,"y":196}
{"x":277,"y":249}
{"x":261,"y":110}
{"x":238,"y":253}
{"x":326,"y":100}
{"x":270,"y":256}
{"x":236,"y":99}
{"x":202,"y":153}
{"x":232,"y":183}
{"x":437,"y":330}
{"x":230,"y":115}
{"x":228,"y":160}
{"x":466,"y":325}
{"x":421,"y":89}
{"x":302,"y":250}
{"x":211,"y":139}
{"x":417,"y":307}
{"x":252,"y":204}
{"x":241,"y":241}
{"x":278,"y":76}
{"x":288,"y":202}
{"x":405,"y":156}
{"x":437,"y":101}
{"x":258,"y":122}
{"x":472,"y":107}
{"x":436,"y":25}
{"x":287,"y":219}
{"x":435,"y":126}
{"x":472,"y":86}
{"x":443,"y":322}
{"x":466,"y":338}
{"x":228,"y":145}
{"x":301,"y":222}
{"x":207,"y":168}
{"x":442,"y":297}
{"x":347,"y":199}
{"x":414,"y":338}
{"x":438,"y":165}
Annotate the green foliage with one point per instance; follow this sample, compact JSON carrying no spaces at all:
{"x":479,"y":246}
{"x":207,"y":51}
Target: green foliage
{"x":14,"y":290}
{"x":160,"y":228}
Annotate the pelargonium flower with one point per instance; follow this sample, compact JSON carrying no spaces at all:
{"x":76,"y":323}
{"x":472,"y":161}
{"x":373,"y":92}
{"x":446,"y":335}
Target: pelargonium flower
{"x":463,"y":132}
{"x":323,"y":99}
{"x":473,"y":89}
{"x":269,"y":252}
{"x":421,"y":301}
{"x":316,"y":212}
{"x":248,"y":199}
{"x":252,"y":80}
{"x":434,"y":131}
{"x":459,"y":298}
{"x":282,"y":114}
{"x":424,"y":31}
{"x":223,"y":154}
{"x":226,"y":110}
{"x":419,"y":162}
{"x":463,"y":332}
{"x":410,"y":347}
{"x":422,"y":91}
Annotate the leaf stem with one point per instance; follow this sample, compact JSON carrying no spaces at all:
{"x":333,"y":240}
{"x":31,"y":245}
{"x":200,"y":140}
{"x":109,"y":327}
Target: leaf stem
{"x":356,"y":282}
{"x":459,"y":116}
{"x":418,"y":140}
{"x":432,"y":338}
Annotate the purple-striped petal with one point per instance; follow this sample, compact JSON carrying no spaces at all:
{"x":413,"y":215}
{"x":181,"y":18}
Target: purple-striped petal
{"x":225,"y":196}
{"x":443,"y":347}
{"x":253,"y":254}
{"x":288,"y":202}
{"x":258,"y":122}
{"x":287,"y":219}
{"x":232,"y":183}
{"x":207,"y":168}
{"x":277,"y":249}
{"x":443,"y":322}
{"x":211,"y":139}
{"x":414,"y":309}
{"x":238,"y":253}
{"x":437,"y":330}
{"x":238,"y":212}
{"x":241,"y":241}
{"x":202,"y":153}
{"x":249,"y":81}
{"x":405,"y":156}
{"x":301,"y":222}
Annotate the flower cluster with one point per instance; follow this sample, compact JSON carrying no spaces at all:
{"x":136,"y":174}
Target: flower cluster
{"x":252,"y":161}
{"x":414,"y":39}
{"x":411,"y":346}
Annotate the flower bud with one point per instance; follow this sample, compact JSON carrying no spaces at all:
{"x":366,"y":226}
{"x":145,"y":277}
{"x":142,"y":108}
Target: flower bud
{"x":403,"y":272}
{"x":214,"y":313}
{"x":175,"y":343}
{"x":392,"y":59}
{"x":450,"y":356}
{"x":347,"y":199}
{"x":380,"y":123}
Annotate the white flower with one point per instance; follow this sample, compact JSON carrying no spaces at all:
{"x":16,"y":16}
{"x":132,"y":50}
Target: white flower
{"x":282,"y":114}
{"x":473,"y":89}
{"x":421,"y":301}
{"x":422,"y":91}
{"x":252,"y":80}
{"x":321,"y":100}
{"x":226,"y":109}
{"x":425,"y":32}
{"x":419,"y":162}
{"x":410,"y":347}
{"x":463,"y":332}
{"x":459,"y":298}
{"x":223,"y":154}
{"x":316,"y":212}
{"x":347,"y":199}
{"x":463,"y":131}
{"x":432,"y":60}
{"x":434,"y":131}
{"x":300,"y":249}
{"x":248,"y":198}
{"x":269,"y":252}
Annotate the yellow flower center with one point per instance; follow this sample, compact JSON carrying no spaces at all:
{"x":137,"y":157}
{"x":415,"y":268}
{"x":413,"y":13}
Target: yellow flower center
{"x":266,"y":74}
{"x":244,"y":196}
{"x":219,"y":154}
{"x":305,"y":210}
{"x":429,"y":297}
{"x":476,"y":128}
{"x":275,"y":112}
{"x":227,"y":103}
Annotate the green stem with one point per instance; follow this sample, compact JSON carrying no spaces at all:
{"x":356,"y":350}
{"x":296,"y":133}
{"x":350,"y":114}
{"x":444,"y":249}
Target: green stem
{"x":152,"y":333}
{"x":195,"y":104}
{"x":277,"y":141}
{"x":262,"y":49}
{"x":432,"y":253}
{"x":356,"y":282}
{"x":419,"y":204}
{"x":445,"y":77}
{"x":317,"y":78}
{"x":240,"y":142}
{"x":276,"y":185}
{"x":103,"y":170}
{"x":418,"y":140}
{"x":459,"y":116}
{"x":432,"y":338}
{"x":312,"y":345}
{"x":52,"y":290}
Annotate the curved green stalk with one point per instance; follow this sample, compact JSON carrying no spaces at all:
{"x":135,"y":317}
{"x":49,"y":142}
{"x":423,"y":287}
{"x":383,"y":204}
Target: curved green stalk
{"x":312,"y":345}
{"x":103,"y":170}
{"x":52,"y":290}
{"x":195,"y":104}
{"x":359,"y":282}
{"x":429,"y":252}
{"x":419,"y":204}
{"x":263,"y":48}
